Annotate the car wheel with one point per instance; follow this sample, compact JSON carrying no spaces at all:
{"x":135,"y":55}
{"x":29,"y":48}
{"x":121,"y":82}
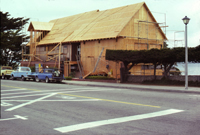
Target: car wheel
{"x":47,"y":80}
{"x":23,"y":78}
{"x":3,"y":77}
{"x":37,"y":79}
{"x":13,"y":78}
{"x":59,"y":81}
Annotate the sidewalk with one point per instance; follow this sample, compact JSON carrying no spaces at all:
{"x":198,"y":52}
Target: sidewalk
{"x":180,"y":89}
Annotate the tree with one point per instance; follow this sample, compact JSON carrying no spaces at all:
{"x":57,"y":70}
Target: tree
{"x":11,"y":39}
{"x":166,"y":57}
{"x":165,"y":45}
{"x":153,"y":56}
{"x":169,"y":57}
{"x":194,"y":54}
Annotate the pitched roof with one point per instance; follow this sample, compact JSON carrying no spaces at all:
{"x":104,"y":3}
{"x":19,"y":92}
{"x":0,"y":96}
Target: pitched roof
{"x":40,"y":26}
{"x":91,"y":25}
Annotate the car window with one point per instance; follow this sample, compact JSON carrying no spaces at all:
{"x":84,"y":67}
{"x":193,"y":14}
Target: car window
{"x":48,"y":71}
{"x":25,"y":69}
{"x":57,"y":71}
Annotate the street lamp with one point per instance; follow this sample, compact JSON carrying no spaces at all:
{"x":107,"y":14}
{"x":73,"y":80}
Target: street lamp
{"x":186,"y":21}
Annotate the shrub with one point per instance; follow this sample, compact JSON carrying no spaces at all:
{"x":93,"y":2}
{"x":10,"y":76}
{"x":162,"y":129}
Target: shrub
{"x":100,"y":77}
{"x":68,"y":78}
{"x":165,"y":81}
{"x":32,"y":68}
{"x":72,"y":74}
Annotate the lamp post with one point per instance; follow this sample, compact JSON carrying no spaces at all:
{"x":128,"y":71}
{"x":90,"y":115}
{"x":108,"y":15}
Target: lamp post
{"x":186,"y":21}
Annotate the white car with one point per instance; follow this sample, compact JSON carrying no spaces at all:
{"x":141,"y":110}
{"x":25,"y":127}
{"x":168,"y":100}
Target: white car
{"x":21,"y":72}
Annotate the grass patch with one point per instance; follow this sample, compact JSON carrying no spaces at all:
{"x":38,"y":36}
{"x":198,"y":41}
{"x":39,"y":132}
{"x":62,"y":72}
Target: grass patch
{"x":171,"y":82}
{"x":100,"y":78}
{"x":68,"y":78}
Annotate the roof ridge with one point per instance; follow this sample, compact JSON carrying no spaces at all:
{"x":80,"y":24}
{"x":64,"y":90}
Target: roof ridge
{"x":91,"y":25}
{"x":142,"y":3}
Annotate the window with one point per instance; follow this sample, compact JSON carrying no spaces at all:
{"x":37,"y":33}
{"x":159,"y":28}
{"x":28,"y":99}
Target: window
{"x":144,"y":67}
{"x":50,"y":47}
{"x":25,"y":69}
{"x":42,"y":49}
{"x":140,"y":46}
{"x":48,"y":71}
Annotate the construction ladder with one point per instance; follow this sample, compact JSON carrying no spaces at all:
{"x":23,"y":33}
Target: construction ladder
{"x":80,"y":66}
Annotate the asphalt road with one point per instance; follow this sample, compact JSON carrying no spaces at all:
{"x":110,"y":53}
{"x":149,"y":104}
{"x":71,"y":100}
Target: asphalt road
{"x":30,"y":108}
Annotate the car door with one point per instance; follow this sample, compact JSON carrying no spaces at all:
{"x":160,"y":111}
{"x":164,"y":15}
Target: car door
{"x":19,"y":74}
{"x":41,"y":74}
{"x":16,"y":73}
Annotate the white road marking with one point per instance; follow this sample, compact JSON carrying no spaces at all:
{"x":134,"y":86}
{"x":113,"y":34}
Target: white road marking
{"x":39,"y":91}
{"x":20,"y":117}
{"x":5,"y":104}
{"x":194,"y":95}
{"x":54,"y":100}
{"x":26,"y":95}
{"x":65,"y":97}
{"x":13,"y":90}
{"x":71,"y":128}
{"x":65,"y":91}
{"x":16,"y":117}
{"x":33,"y":101}
{"x":20,"y":93}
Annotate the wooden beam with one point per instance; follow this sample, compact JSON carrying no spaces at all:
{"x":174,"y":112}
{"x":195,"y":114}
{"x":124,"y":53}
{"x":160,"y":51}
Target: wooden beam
{"x":51,"y":58}
{"x":55,"y":62}
{"x":87,"y":75}
{"x":38,"y":58}
{"x":29,"y":62}
{"x":59,"y":43}
{"x":54,"y":48}
{"x":59,"y":55}
{"x":98,"y":60}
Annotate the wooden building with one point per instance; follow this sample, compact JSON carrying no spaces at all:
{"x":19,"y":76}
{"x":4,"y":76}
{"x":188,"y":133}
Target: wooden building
{"x":81,"y":40}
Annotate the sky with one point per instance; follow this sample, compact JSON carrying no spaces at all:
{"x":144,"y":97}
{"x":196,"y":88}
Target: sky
{"x":173,"y":10}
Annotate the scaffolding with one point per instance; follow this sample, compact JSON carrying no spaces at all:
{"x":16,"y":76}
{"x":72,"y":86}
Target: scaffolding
{"x":145,"y":36}
{"x":35,"y":38}
{"x":146,"y":32}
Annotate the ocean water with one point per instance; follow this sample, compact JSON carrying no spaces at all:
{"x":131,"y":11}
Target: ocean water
{"x":193,"y":68}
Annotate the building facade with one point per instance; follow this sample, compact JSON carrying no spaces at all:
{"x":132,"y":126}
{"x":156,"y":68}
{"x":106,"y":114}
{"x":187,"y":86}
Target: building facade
{"x":81,"y":40}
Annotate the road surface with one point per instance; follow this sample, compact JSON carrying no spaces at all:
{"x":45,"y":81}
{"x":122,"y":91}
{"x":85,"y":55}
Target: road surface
{"x":31,"y":108}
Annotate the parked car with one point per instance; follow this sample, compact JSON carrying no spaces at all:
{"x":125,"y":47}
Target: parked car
{"x":6,"y":72}
{"x":21,"y":72}
{"x":47,"y":75}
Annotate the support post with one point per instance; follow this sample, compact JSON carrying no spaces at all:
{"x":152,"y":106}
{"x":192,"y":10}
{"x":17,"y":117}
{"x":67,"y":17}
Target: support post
{"x":186,"y":59}
{"x":59,"y":55}
{"x":98,"y":60}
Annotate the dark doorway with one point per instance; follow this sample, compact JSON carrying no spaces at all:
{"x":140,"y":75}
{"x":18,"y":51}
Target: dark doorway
{"x":75,"y":50}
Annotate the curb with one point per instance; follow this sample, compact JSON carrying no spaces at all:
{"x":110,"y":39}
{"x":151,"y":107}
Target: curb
{"x":138,"y":88}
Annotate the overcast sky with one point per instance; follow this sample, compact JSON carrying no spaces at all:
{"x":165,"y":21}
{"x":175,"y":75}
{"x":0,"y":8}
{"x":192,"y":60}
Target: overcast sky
{"x":175,"y":10}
